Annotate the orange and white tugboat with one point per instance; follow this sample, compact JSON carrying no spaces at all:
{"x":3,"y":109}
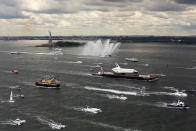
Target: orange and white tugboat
{"x":48,"y":82}
{"x":119,"y":72}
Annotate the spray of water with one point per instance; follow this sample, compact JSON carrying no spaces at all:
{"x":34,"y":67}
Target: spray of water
{"x":99,"y":48}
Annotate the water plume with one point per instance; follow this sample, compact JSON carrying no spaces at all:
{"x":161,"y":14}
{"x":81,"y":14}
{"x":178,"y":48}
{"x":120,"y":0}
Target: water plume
{"x":99,"y":48}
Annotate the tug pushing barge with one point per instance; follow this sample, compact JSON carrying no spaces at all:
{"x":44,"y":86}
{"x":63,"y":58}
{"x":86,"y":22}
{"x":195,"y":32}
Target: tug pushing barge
{"x":119,"y":72}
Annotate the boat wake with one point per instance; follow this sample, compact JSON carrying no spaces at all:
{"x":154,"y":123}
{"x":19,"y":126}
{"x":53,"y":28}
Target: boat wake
{"x":15,"y":87}
{"x":188,"y":68}
{"x":121,"y":97}
{"x":71,"y":62}
{"x":161,"y":104}
{"x":88,"y":109}
{"x":54,"y":52}
{"x":8,"y":122}
{"x":170,"y":88}
{"x":111,"y":91}
{"x":144,"y":65}
{"x":132,"y":59}
{"x":49,"y":122}
{"x":116,"y":128}
{"x":177,"y":93}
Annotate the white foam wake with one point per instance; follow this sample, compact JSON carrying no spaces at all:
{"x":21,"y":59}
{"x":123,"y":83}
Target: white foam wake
{"x":49,"y":122}
{"x":178,"y":94}
{"x":121,"y":97}
{"x":8,"y":122}
{"x":71,"y":62}
{"x":88,"y":109}
{"x":170,"y":88}
{"x":111,"y":91}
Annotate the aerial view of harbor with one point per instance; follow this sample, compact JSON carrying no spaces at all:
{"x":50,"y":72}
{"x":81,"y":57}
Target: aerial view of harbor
{"x":97,"y":65}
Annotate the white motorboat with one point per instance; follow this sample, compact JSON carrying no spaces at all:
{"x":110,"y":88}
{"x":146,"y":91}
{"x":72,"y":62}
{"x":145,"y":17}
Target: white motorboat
{"x":18,"y":122}
{"x":91,"y":110}
{"x":178,"y":105}
{"x":57,"y":125}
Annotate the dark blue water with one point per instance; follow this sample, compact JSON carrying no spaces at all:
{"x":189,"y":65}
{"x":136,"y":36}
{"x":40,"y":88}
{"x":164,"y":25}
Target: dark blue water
{"x":80,"y":89}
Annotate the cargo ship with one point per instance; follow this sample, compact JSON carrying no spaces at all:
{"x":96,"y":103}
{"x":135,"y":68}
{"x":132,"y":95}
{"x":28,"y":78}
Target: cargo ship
{"x":119,"y":72}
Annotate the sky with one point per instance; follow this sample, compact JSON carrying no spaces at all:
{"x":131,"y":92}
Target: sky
{"x":97,"y":17}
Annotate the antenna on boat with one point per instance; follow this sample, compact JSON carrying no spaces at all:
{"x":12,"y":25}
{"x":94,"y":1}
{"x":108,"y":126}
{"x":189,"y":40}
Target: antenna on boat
{"x":117,"y":65}
{"x":101,"y":69}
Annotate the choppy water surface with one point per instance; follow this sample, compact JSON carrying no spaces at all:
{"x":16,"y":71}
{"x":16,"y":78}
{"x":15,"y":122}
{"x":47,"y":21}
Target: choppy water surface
{"x":81,"y":90}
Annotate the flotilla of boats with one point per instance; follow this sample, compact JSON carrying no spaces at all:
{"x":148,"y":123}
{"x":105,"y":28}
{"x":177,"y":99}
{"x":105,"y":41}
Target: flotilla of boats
{"x":51,"y":82}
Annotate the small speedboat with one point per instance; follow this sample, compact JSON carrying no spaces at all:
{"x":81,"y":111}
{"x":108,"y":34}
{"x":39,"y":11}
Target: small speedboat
{"x":57,"y":125}
{"x":178,"y":105}
{"x":91,"y":110}
{"x":14,"y":71}
{"x":19,"y":96}
{"x":18,"y":122}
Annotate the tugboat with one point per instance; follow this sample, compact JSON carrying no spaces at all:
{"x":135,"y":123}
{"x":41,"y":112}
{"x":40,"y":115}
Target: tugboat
{"x":48,"y":82}
{"x":119,"y":72}
{"x":178,"y":105}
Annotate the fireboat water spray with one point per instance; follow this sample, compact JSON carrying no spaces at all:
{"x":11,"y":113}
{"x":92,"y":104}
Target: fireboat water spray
{"x":99,"y":48}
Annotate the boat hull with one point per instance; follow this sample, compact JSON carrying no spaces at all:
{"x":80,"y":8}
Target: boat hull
{"x":177,"y":107}
{"x":42,"y":85}
{"x":138,"y":77}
